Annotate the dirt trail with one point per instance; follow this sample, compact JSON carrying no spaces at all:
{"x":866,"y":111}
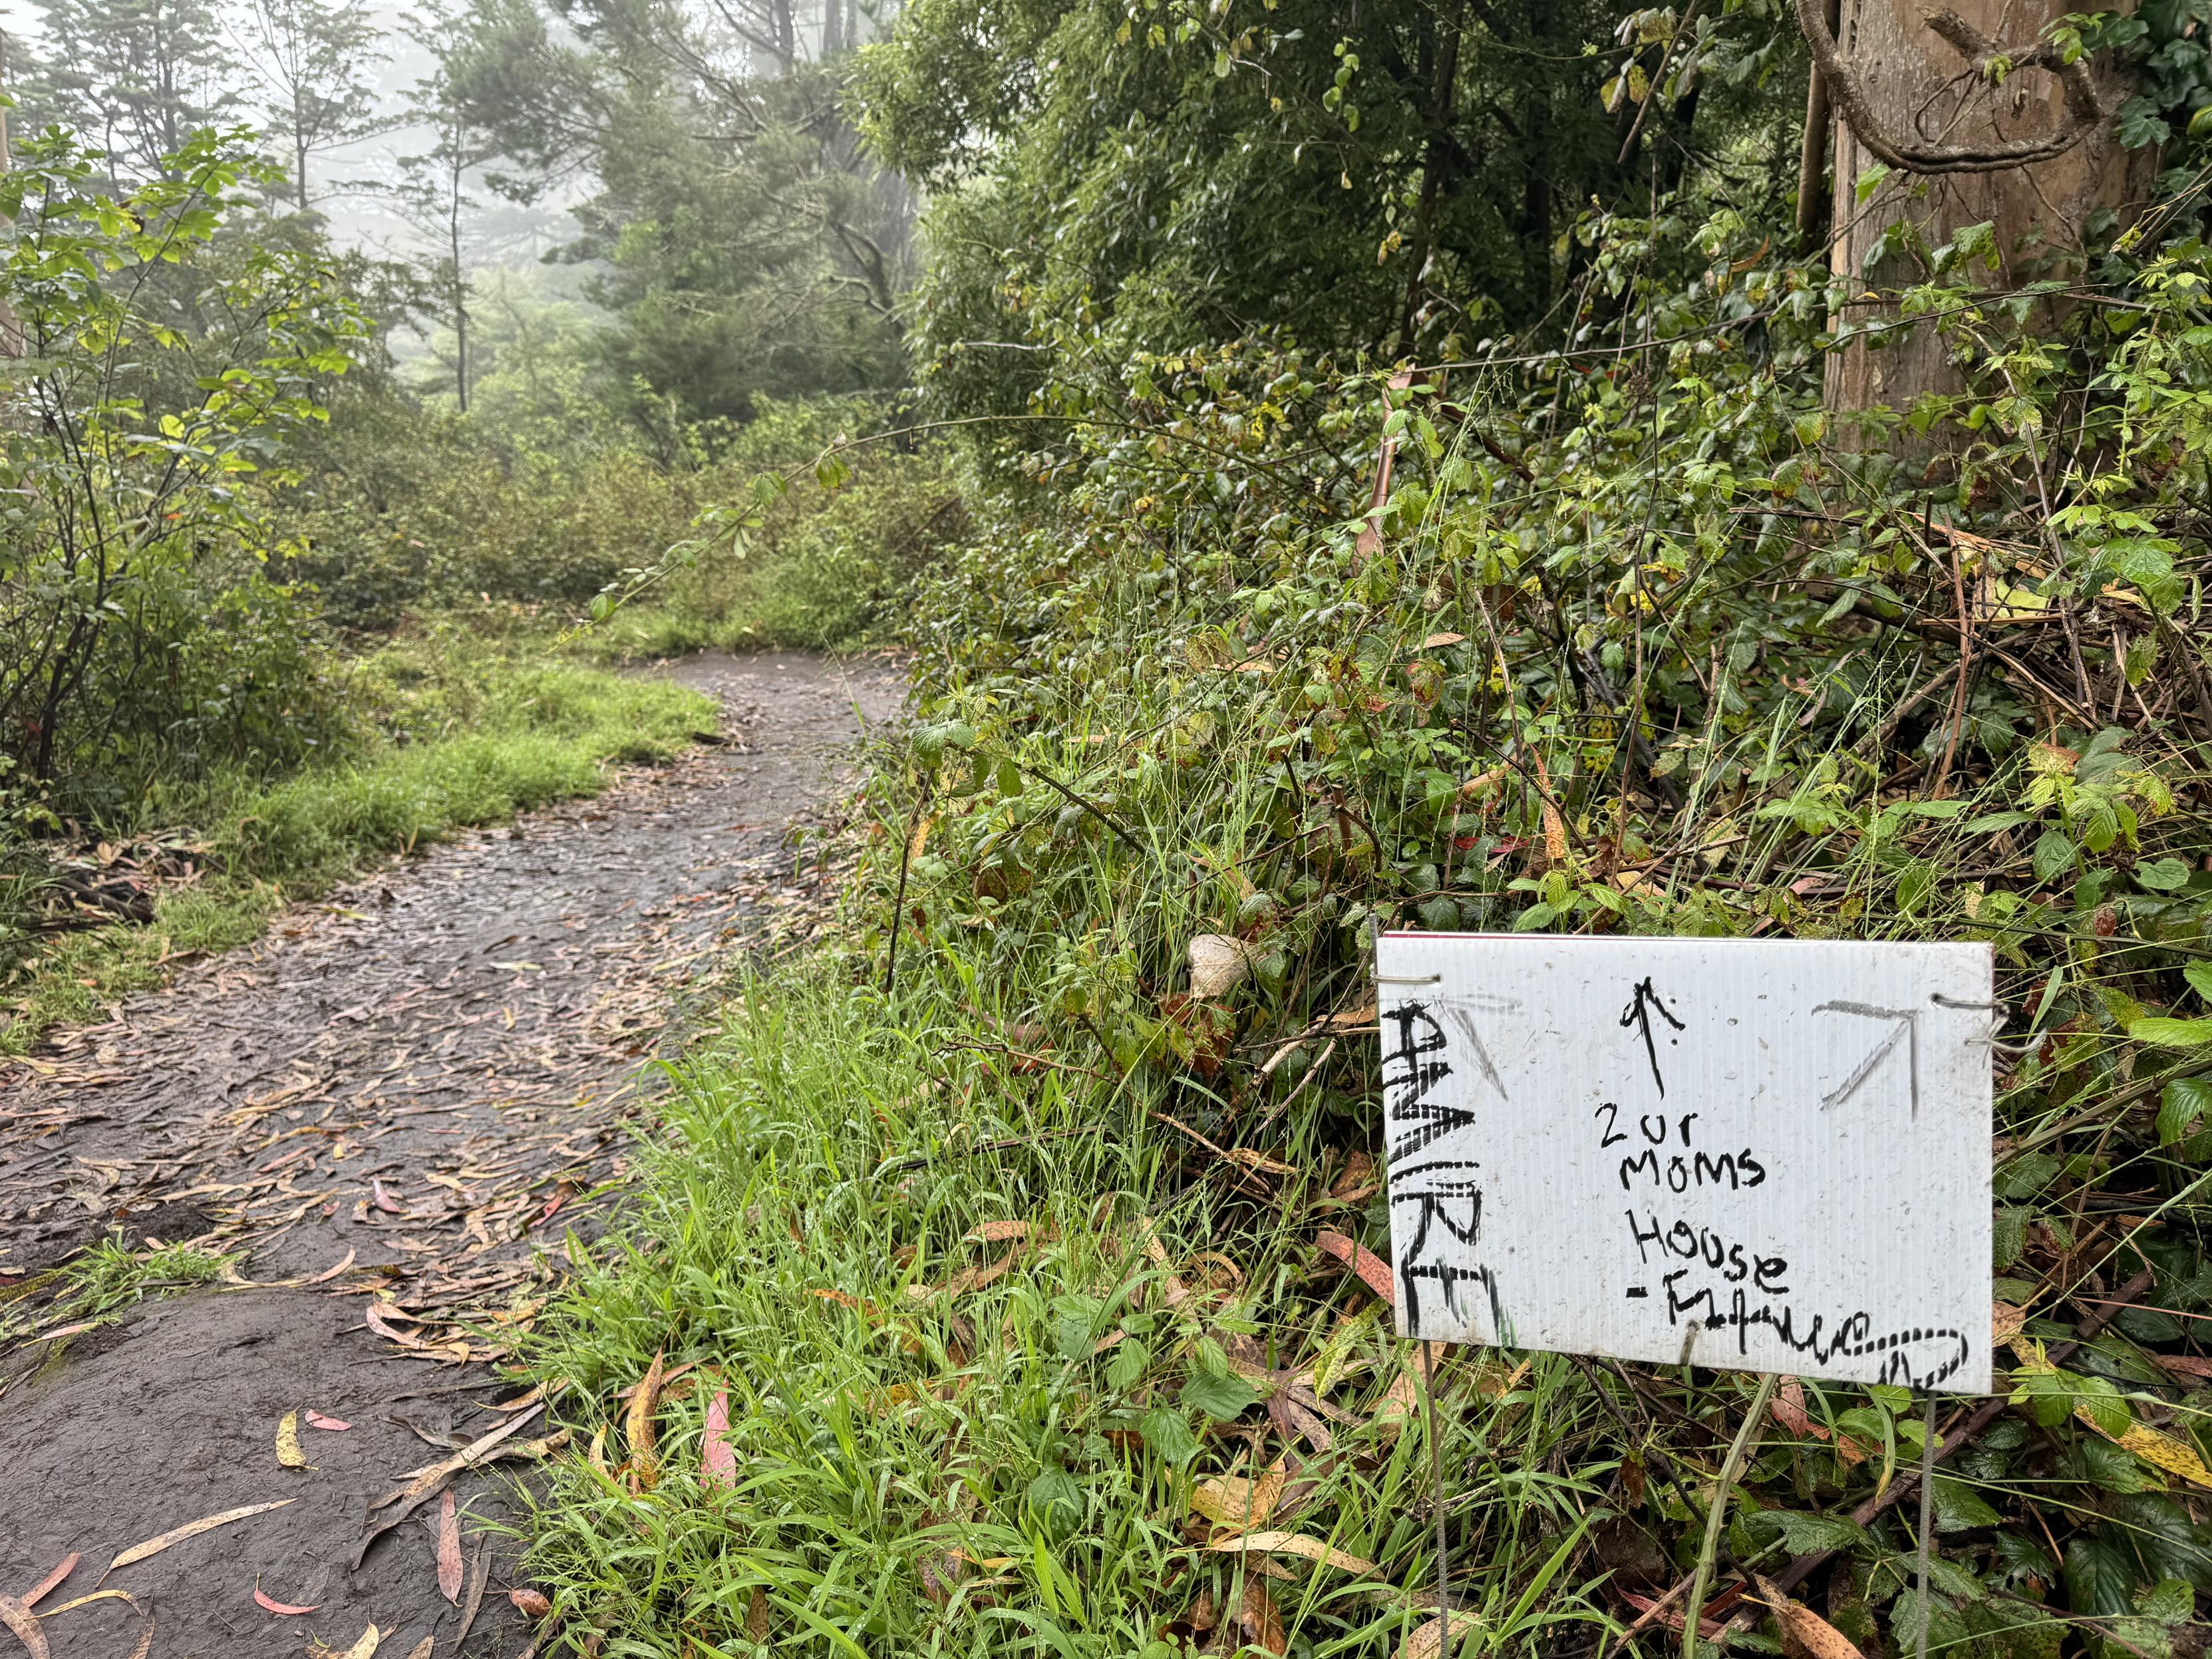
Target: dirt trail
{"x":394,"y":1107}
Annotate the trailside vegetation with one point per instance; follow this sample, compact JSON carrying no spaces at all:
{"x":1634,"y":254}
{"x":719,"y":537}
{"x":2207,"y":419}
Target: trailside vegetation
{"x":1008,"y":1283}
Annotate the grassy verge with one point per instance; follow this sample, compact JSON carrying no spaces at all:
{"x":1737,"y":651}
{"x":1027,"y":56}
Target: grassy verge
{"x":453,"y":733}
{"x":988,"y":1404}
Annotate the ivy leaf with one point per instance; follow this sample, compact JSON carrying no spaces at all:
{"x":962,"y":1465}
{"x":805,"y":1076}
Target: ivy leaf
{"x":2185,"y":1100}
{"x":1220,"y":1398}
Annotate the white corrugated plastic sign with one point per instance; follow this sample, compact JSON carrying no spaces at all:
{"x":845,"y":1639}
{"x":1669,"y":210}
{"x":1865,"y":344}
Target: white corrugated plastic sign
{"x":1771,"y":1156}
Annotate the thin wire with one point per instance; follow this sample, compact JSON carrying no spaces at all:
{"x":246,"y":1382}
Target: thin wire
{"x":1436,"y":1479}
{"x":1927,"y":1508}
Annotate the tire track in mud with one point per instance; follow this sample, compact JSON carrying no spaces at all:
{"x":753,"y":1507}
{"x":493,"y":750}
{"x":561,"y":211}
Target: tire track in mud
{"x":392,"y":1108}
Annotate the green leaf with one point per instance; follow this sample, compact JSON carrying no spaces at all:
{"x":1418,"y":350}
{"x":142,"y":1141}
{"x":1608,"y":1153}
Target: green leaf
{"x":2164,"y":876}
{"x":2163,"y":1033}
{"x":1125,"y":1369}
{"x":2053,"y":856}
{"x":1169,"y":1435}
{"x":2163,"y":1537}
{"x":2100,"y":1577}
{"x":1809,"y":1534}
{"x":1990,"y":822}
{"x":1220,"y":1398}
{"x":2199,"y":976}
{"x":1056,"y":1500}
{"x":2114,"y":1468}
{"x":1957,"y":1507}
{"x":2185,"y":1100}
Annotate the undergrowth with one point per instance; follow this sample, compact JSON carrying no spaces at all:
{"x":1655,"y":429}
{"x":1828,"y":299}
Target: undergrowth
{"x":450,"y":730}
{"x":1022,"y":1283}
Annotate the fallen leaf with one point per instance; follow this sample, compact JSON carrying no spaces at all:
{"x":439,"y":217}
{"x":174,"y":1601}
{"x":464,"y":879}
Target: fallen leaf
{"x":263,"y":1600}
{"x":1258,"y":1622}
{"x":25,"y":1623}
{"x":317,"y":1420}
{"x":476,"y":1598}
{"x":2005,"y":1322}
{"x":449,"y":1549}
{"x":1805,"y":1634}
{"x":718,"y":1461}
{"x":67,"y":1565}
{"x":1230,"y":1500}
{"x":530,"y":1603}
{"x":364,"y":1648}
{"x":756,"y":1616}
{"x":998,"y":1232}
{"x":643,"y":1405}
{"x":1373,"y":1272}
{"x":288,"y":1443}
{"x":422,"y":1649}
{"x":384,"y":1200}
{"x":2168,"y":1452}
{"x":1426,"y":1640}
{"x":1436,"y":640}
{"x":192,"y":1529}
{"x":1294,"y":1543}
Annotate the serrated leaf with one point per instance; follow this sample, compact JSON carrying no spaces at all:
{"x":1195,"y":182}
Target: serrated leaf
{"x":1809,"y":1534}
{"x":2100,"y":1577}
{"x":2198,"y":974}
{"x":2165,"y":876}
{"x":2184,"y":1101}
{"x":2161,"y":1032}
{"x":1220,"y":1398}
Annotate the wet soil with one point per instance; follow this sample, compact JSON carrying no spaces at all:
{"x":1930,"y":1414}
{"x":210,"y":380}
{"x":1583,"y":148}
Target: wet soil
{"x":391,"y":1111}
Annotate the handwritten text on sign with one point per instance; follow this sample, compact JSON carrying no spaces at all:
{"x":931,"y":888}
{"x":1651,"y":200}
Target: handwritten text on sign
{"x":1773,"y":1155}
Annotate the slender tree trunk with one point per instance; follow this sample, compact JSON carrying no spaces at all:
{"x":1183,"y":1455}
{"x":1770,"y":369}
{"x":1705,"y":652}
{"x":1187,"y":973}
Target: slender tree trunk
{"x":1916,"y":88}
{"x":1443,"y":81}
{"x":461,"y":282}
{"x":833,"y":30}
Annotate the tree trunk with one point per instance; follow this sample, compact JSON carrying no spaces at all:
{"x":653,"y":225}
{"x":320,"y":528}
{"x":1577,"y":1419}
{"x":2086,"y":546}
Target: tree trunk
{"x":1920,"y":89}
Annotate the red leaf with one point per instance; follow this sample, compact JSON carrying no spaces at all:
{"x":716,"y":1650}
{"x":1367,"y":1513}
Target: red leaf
{"x":385,"y":1201}
{"x":275,"y":1606}
{"x":67,"y":1566}
{"x":317,"y":1420}
{"x":718,"y":1460}
{"x":1373,"y":1272}
{"x":530,"y":1603}
{"x":449,"y":1549}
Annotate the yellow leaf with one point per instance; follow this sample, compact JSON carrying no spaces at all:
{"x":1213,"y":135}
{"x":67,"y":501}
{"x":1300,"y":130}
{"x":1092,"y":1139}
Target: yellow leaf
{"x":192,"y":1529}
{"x":2168,"y":1452}
{"x":643,"y":1405}
{"x":288,"y":1443}
{"x":1295,"y":1543}
{"x":2005,"y":1322}
{"x":1424,"y":1641}
{"x":1230,"y":1500}
{"x":366,"y":1647}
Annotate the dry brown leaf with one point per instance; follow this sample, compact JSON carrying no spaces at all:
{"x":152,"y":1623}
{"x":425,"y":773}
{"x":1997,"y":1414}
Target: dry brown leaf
{"x":1373,"y":1272}
{"x":1426,"y":1640}
{"x":1358,"y":1175}
{"x":2005,"y":1322}
{"x":53,"y":1580}
{"x":530,"y":1603}
{"x":288,"y":1443}
{"x":449,"y":1549}
{"x":998,"y":1232}
{"x":1230,"y":1500}
{"x":25,"y":1623}
{"x":1258,"y":1622}
{"x":1805,"y":1634}
{"x":643,"y":1405}
{"x":756,"y":1616}
{"x":364,"y":1646}
{"x":422,"y":1649}
{"x":192,"y":1529}
{"x":1436,"y":640}
{"x":1294,"y":1543}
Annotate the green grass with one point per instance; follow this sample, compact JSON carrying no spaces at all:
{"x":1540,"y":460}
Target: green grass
{"x":108,"y":1277}
{"x":877,"y":1427}
{"x":455,"y":733}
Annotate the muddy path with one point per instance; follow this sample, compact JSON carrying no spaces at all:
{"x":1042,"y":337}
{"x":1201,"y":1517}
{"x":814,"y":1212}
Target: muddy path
{"x":391,"y":1111}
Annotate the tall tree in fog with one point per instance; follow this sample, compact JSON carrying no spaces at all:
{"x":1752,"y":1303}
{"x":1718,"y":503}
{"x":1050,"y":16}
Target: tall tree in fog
{"x":138,"y":76}
{"x":312,"y":59}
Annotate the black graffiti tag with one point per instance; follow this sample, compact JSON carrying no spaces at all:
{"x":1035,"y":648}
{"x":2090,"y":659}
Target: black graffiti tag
{"x":1444,"y":1193}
